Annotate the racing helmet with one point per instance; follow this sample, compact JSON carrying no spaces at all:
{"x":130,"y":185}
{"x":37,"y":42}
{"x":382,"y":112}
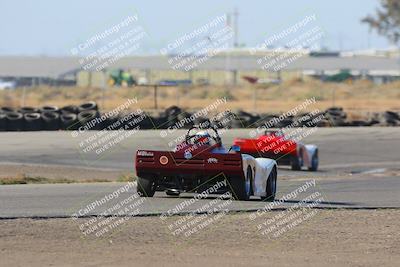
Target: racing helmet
{"x":277,"y":133}
{"x":203,"y":138}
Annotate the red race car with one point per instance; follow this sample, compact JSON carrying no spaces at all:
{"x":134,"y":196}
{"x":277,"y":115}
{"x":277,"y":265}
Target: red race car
{"x":201,"y":162}
{"x":273,"y":144}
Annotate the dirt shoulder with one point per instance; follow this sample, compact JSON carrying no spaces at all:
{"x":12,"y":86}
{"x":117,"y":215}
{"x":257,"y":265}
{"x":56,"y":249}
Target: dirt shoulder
{"x":330,"y":238}
{"x":42,"y":173}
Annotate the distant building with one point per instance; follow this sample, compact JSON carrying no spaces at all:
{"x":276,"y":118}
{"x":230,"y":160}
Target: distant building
{"x":32,"y":71}
{"x":224,"y":68}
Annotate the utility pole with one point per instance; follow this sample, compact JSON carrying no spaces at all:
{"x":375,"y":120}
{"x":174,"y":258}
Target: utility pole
{"x":236,"y":27}
{"x":227,"y":56}
{"x":155,"y":97}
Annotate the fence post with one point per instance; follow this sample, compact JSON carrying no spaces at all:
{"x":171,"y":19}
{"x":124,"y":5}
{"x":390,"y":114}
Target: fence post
{"x":155,"y":97}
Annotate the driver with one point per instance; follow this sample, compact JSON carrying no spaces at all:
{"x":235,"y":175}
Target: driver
{"x":203,"y":138}
{"x":277,"y":133}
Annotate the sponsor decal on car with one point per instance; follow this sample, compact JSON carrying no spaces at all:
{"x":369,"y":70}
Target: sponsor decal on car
{"x":187,"y":155}
{"x":212,"y":160}
{"x":145,"y":153}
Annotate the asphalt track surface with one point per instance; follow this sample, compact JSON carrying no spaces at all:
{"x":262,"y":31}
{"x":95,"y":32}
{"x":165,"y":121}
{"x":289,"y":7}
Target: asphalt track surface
{"x":359,"y":168}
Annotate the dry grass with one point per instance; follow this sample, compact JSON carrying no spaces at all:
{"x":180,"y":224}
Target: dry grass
{"x":356,"y":96}
{"x":126,"y":178}
{"x":24,"y":179}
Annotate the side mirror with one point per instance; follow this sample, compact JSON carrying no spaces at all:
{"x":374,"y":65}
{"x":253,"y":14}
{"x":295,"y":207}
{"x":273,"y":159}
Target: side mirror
{"x":235,"y":148}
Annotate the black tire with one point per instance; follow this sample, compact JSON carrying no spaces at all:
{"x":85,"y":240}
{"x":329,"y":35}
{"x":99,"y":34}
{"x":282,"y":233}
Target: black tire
{"x":242,"y":188}
{"x":88,"y":106}
{"x":46,"y":109}
{"x":51,"y":121}
{"x":173,"y":111}
{"x":335,"y":120}
{"x":147,"y":123}
{"x":183,"y":116}
{"x":14,"y":121}
{"x":391,"y":115}
{"x":322,"y":123}
{"x":296,"y":163}
{"x":146,"y":187}
{"x":69,"y":109}
{"x":235,"y":123}
{"x":161,"y":122}
{"x":284,"y":123}
{"x":334,"y":110}
{"x":27,"y":110}
{"x":33,"y":122}
{"x":87,"y":116}
{"x":124,"y":120}
{"x":3,"y":122}
{"x":226,"y":120}
{"x":271,"y":186}
{"x":110,"y":123}
{"x":6,"y":110}
{"x":314,"y":162}
{"x":69,"y":121}
{"x":202,"y":122}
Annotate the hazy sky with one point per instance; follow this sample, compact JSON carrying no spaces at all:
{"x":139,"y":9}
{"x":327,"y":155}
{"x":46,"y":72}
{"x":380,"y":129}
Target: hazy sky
{"x":49,"y":27}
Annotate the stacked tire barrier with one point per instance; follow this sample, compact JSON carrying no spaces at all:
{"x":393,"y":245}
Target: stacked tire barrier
{"x":46,"y":118}
{"x":52,"y":118}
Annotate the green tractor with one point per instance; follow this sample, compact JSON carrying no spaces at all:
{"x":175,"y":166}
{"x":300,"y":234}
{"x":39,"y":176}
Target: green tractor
{"x":342,"y":76}
{"x":122,"y":78}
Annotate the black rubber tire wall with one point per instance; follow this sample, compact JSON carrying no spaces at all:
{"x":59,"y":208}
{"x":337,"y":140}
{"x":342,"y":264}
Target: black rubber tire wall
{"x":69,"y":109}
{"x":3,"y":122}
{"x":88,"y":106}
{"x":45,"y":109}
{"x":14,"y":121}
{"x":27,"y":110}
{"x":33,"y":122}
{"x":51,"y":121}
{"x":69,"y":121}
{"x":86,"y":116}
